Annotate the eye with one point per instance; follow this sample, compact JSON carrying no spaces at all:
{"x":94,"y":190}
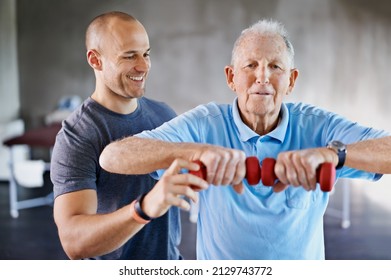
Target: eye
{"x":251,"y":65}
{"x":129,"y":57}
{"x":147,"y":54}
{"x":276,"y":66}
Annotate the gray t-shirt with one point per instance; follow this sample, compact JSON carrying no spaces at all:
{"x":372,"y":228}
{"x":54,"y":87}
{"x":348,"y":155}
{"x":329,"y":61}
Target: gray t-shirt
{"x":75,"y":166}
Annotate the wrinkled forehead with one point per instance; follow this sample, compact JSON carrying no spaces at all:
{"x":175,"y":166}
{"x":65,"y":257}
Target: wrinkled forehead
{"x":257,"y":46}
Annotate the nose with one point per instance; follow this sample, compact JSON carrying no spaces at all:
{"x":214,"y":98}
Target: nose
{"x":262,"y":75}
{"x":143,"y":64}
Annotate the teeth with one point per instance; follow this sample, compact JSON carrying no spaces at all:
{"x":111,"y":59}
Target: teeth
{"x":136,"y":78}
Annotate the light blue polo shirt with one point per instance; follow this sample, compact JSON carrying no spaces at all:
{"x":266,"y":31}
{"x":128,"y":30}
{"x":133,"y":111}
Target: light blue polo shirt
{"x":261,"y":224}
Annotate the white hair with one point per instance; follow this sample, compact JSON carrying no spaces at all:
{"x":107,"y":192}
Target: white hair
{"x":265,"y":27}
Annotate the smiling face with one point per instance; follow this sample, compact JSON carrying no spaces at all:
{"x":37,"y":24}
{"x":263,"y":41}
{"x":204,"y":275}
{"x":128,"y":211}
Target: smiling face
{"x":118,"y":51}
{"x":261,"y":76}
{"x":125,"y":58}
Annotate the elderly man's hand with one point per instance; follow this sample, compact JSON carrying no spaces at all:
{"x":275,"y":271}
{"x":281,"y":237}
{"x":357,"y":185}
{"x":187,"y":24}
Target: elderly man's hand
{"x":298,"y":168}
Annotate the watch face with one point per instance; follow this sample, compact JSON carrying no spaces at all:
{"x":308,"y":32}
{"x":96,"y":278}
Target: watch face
{"x":337,"y":144}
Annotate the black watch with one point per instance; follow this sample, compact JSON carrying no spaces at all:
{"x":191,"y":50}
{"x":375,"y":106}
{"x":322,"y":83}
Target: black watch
{"x":340,"y":149}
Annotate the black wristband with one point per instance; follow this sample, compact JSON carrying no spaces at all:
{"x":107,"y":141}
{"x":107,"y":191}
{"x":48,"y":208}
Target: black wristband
{"x":341,"y":160}
{"x":139,"y":211}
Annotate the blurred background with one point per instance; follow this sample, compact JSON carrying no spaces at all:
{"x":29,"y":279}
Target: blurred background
{"x":343,"y":53}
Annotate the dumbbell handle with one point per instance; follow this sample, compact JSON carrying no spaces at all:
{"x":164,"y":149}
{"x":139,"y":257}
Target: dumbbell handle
{"x":325,"y":174}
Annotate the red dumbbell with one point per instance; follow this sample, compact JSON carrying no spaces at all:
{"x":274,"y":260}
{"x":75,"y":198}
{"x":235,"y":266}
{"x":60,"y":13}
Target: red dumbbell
{"x":254,"y":172}
{"x":325,"y":174}
{"x":199,"y":173}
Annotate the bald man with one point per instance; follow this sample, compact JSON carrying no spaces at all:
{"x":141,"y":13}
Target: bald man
{"x":99,"y":215}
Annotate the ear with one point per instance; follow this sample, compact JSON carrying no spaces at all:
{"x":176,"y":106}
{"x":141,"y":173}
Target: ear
{"x":229,"y":75}
{"x":292,"y":80}
{"x":93,"y":58}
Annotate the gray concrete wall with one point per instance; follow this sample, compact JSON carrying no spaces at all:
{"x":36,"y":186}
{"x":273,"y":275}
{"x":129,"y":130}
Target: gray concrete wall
{"x":343,"y":51}
{"x":9,"y":83}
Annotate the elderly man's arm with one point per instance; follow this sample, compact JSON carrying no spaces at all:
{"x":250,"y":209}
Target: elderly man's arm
{"x":372,"y":155}
{"x":298,"y":168}
{"x":134,"y":155}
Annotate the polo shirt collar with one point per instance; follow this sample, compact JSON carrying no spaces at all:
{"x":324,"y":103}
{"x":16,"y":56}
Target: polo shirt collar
{"x":246,"y":133}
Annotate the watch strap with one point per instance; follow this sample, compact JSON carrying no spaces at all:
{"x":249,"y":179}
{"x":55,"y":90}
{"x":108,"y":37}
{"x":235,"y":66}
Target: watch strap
{"x":341,"y":159}
{"x":340,"y":149}
{"x":137,"y":212}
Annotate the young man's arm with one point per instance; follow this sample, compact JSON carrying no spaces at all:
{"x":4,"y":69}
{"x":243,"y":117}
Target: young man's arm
{"x":84,"y":233}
